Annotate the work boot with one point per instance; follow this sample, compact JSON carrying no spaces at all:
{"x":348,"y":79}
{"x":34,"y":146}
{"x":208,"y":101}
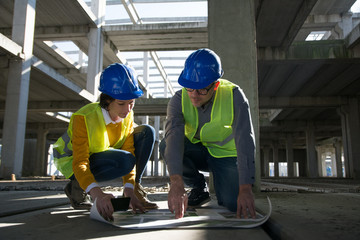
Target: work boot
{"x":77,"y":196}
{"x":142,"y":196}
{"x":198,"y":197}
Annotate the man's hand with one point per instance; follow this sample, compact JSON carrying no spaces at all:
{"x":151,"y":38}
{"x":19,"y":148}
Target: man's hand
{"x":103,"y":203}
{"x":135,"y":204}
{"x":177,"y":198}
{"x":245,"y":202}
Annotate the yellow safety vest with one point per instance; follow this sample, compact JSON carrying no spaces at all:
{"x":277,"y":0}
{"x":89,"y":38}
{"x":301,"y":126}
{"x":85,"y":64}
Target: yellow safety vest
{"x":97,"y":135}
{"x":216,"y":135}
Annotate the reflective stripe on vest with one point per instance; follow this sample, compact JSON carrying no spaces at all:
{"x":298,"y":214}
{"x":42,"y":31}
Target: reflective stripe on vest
{"x":216,"y":134}
{"x":98,"y":138}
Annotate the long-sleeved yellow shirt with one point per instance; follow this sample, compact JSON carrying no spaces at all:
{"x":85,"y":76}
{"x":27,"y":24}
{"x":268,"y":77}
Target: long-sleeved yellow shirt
{"x":81,"y":154}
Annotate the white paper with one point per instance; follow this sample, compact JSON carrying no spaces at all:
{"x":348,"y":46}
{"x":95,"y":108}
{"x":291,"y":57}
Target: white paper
{"x":163,"y":218}
{"x":94,"y":214}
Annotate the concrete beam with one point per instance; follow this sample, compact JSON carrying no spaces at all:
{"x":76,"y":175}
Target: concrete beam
{"x":314,"y":50}
{"x":301,"y":102}
{"x":162,"y":36}
{"x":40,"y":65}
{"x":151,"y":106}
{"x":111,"y":53}
{"x":152,"y":28}
{"x":332,"y":6}
{"x":321,"y":22}
{"x":52,"y":106}
{"x":302,"y":13}
{"x":353,"y":38}
{"x":89,"y":14}
{"x":53,"y":51}
{"x":11,"y":47}
{"x":56,"y":106}
{"x":53,"y":126}
{"x":130,"y":9}
{"x":143,"y":106}
{"x":303,"y":124}
{"x":61,"y":32}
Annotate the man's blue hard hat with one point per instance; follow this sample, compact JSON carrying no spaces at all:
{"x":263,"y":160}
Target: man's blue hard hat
{"x":119,"y":81}
{"x":202,"y":68}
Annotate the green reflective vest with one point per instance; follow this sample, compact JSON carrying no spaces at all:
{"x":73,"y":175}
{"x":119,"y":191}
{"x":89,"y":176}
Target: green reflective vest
{"x":97,"y":136}
{"x":217,"y":134}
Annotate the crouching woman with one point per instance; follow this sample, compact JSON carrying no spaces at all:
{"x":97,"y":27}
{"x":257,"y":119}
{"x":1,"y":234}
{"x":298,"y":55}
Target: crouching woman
{"x":102,"y":144}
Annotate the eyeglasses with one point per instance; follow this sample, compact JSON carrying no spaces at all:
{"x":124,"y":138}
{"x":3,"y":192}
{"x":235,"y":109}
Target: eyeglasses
{"x":202,"y":91}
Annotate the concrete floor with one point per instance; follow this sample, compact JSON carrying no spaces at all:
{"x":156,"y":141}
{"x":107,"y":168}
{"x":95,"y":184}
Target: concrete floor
{"x":38,"y":209}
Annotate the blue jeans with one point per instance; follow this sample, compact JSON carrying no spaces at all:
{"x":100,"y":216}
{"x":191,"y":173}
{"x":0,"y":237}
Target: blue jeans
{"x":225,"y":173}
{"x":114,"y":163}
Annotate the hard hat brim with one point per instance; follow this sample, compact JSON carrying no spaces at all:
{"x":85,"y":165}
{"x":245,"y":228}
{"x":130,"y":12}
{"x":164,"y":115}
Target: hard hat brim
{"x":126,"y":96}
{"x":191,"y":84}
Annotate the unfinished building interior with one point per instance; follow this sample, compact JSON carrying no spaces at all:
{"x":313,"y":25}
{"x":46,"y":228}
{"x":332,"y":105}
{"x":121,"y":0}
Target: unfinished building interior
{"x":297,"y":61}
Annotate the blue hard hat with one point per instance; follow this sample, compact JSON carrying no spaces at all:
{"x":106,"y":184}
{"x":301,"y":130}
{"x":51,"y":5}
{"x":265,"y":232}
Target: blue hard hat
{"x":119,"y":81}
{"x":202,"y":68}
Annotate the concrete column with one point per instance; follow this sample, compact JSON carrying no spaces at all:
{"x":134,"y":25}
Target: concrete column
{"x":276,"y":160}
{"x":290,"y":155}
{"x":232,"y":35}
{"x":354,"y":124}
{"x":81,"y":59}
{"x":333,"y":163}
{"x":156,"y":146}
{"x":312,"y":165}
{"x":146,"y":74}
{"x":146,"y":81}
{"x":162,"y":136}
{"x":266,"y":151}
{"x":320,"y":161}
{"x":343,"y":112}
{"x":29,"y":158}
{"x":18,"y":90}
{"x":323,"y":162}
{"x":35,"y":154}
{"x":350,"y":116}
{"x":41,"y":152}
{"x":95,"y":51}
{"x":337,"y":146}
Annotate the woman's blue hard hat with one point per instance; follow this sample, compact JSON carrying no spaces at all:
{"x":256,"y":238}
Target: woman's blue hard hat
{"x":119,"y":81}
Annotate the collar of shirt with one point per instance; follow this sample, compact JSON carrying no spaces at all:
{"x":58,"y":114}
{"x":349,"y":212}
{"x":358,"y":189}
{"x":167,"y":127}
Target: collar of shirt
{"x":108,"y":119}
{"x":206,"y":105}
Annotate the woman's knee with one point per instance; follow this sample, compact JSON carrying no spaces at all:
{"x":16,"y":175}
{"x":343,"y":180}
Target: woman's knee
{"x":148,"y":130}
{"x":111,"y":164}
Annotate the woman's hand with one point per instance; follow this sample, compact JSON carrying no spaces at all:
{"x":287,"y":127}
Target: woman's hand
{"x":103,"y":203}
{"x":135,"y":204}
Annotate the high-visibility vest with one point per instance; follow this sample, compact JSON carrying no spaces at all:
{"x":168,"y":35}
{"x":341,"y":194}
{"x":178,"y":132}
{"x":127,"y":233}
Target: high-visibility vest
{"x":97,"y":136}
{"x":216,"y":135}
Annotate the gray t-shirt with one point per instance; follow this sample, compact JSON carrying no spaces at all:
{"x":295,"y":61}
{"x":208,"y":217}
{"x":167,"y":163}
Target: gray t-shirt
{"x":242,"y":130}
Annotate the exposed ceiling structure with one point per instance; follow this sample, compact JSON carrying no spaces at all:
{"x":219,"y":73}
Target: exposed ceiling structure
{"x":299,"y":81}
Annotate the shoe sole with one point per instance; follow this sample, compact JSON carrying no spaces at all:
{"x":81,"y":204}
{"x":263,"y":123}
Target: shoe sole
{"x":150,"y":208}
{"x":84,"y":206}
